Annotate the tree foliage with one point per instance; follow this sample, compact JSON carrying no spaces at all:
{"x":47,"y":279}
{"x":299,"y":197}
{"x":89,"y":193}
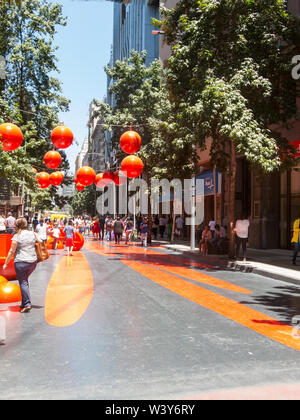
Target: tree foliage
{"x":30,"y":96}
{"x":230,"y":75}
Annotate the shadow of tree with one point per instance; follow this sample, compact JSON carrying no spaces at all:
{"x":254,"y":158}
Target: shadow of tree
{"x":284,"y":301}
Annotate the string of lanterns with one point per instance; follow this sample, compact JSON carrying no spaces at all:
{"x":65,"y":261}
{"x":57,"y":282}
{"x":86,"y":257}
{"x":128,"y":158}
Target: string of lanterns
{"x":132,"y":166}
{"x":11,"y":138}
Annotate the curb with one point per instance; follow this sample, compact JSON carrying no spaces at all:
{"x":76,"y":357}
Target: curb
{"x":270,"y":271}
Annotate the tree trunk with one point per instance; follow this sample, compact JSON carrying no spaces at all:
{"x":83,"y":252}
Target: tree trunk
{"x":231,"y":250}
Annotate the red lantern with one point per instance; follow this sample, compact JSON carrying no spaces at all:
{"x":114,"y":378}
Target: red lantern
{"x":130,"y":142}
{"x":108,"y":177}
{"x":119,"y":178}
{"x":132,"y":166}
{"x":62,"y":137}
{"x":296,"y":145}
{"x":80,"y":187}
{"x":99,"y":180}
{"x":56,"y":178}
{"x":78,"y":241}
{"x":34,"y":170}
{"x":52,"y":159}
{"x":11,"y":137}
{"x":86,"y":175}
{"x":10,"y":293}
{"x":43,"y":179}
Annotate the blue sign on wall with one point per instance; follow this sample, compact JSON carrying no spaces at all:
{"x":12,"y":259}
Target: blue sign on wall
{"x":209,"y":182}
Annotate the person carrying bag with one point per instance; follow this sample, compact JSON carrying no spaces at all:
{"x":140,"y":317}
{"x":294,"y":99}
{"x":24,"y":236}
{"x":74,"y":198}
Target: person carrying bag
{"x":28,"y":249}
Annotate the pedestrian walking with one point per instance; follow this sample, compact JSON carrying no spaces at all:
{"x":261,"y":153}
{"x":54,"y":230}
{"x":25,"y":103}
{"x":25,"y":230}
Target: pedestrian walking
{"x":128,"y":230}
{"x":23,"y":247}
{"x":144,"y":232}
{"x":2,"y":224}
{"x":96,"y":228}
{"x":69,"y":231}
{"x":241,"y":235}
{"x":56,"y":234}
{"x":10,"y":224}
{"x":296,"y":239}
{"x":169,"y":229}
{"x":179,"y":222}
{"x":162,"y":226}
{"x":102,"y":227}
{"x":118,"y":230}
{"x":41,"y":230}
{"x":108,"y":228}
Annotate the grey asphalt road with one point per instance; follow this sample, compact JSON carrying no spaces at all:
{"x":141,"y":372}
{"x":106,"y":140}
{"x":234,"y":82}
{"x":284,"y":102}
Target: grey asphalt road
{"x":144,"y":336}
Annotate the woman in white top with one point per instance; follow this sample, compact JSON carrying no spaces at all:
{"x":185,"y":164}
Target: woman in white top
{"x":23,"y":246}
{"x":241,"y":231}
{"x":2,"y":224}
{"x":41,"y":230}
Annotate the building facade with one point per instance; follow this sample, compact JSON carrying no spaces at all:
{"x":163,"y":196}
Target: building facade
{"x":95,"y":156}
{"x":82,"y":154}
{"x":271,"y":201}
{"x":132,"y":30}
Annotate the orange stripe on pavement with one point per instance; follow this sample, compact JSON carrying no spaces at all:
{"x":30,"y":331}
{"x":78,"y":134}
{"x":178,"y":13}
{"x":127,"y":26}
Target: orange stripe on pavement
{"x":69,"y":292}
{"x":250,"y":318}
{"x":168,"y":263}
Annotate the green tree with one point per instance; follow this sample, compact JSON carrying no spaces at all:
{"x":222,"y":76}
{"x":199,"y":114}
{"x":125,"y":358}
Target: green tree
{"x":229,"y":78}
{"x":30,"y":96}
{"x":84,"y":201}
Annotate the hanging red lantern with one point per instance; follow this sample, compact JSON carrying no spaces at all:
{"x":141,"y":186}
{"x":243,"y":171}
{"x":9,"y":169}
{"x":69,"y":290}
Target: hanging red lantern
{"x":62,"y":137}
{"x":99,"y":180}
{"x":119,"y":178}
{"x":34,"y":170}
{"x":108,"y":177}
{"x":11,"y":137}
{"x":130,"y":142}
{"x":132,"y":166}
{"x":52,"y":159}
{"x":56,"y":178}
{"x":43,"y":179}
{"x":86,"y":175}
{"x":80,"y":187}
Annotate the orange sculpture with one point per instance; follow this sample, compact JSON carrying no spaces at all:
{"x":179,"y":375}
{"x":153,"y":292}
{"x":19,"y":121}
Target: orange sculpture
{"x":5,"y":244}
{"x":10,"y":293}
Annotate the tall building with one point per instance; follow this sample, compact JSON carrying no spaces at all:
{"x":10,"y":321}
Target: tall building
{"x":132,"y":30}
{"x":81,"y":155}
{"x":96,"y":141}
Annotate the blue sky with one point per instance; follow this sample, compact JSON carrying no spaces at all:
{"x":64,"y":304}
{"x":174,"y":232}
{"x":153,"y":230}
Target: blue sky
{"x":84,"y":49}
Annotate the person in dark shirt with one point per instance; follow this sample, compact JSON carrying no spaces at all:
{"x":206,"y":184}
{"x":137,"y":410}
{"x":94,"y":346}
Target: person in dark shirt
{"x":144,"y":231}
{"x":118,"y":230}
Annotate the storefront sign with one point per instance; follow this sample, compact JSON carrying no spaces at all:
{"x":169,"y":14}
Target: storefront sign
{"x":209,"y":182}
{"x":4,"y":189}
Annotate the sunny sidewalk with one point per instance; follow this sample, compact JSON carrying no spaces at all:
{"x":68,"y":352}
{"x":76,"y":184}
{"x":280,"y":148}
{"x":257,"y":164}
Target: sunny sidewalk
{"x":273,"y":263}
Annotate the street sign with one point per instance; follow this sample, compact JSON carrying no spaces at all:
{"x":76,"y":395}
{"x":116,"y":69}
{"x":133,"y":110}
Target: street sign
{"x":4,"y":189}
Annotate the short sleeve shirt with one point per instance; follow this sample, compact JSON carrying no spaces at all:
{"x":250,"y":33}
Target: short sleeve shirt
{"x":69,"y":232}
{"x":25,"y":251}
{"x":241,"y":228}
